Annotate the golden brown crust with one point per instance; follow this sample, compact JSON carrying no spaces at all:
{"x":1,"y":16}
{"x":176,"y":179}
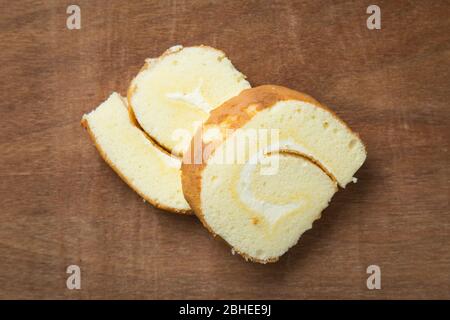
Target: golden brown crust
{"x":233,"y":114}
{"x":312,"y":160}
{"x":85,"y":124}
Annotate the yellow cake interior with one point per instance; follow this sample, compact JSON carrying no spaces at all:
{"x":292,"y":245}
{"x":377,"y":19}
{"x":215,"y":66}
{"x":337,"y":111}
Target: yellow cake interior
{"x":151,"y":172}
{"x":173,"y":94}
{"x":261,"y":213}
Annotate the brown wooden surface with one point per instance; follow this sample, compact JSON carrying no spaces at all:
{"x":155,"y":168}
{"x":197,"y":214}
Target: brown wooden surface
{"x":60,"y":204}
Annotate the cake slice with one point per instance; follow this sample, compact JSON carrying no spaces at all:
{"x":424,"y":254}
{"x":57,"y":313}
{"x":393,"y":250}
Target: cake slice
{"x":263,"y":167}
{"x":150,"y":171}
{"x":173,"y":94}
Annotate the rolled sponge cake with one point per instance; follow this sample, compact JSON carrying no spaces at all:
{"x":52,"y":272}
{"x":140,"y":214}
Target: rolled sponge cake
{"x":261,"y":192}
{"x":173,"y":94}
{"x":150,"y":171}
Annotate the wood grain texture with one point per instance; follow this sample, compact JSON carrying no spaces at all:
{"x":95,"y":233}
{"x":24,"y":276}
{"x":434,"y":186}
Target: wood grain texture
{"x":60,"y":204}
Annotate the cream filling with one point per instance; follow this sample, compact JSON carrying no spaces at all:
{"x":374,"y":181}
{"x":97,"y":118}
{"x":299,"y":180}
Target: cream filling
{"x":271,"y":211}
{"x":170,"y":161}
{"x":194,"y":98}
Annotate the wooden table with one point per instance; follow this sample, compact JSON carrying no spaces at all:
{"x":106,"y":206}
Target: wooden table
{"x":60,"y":204}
